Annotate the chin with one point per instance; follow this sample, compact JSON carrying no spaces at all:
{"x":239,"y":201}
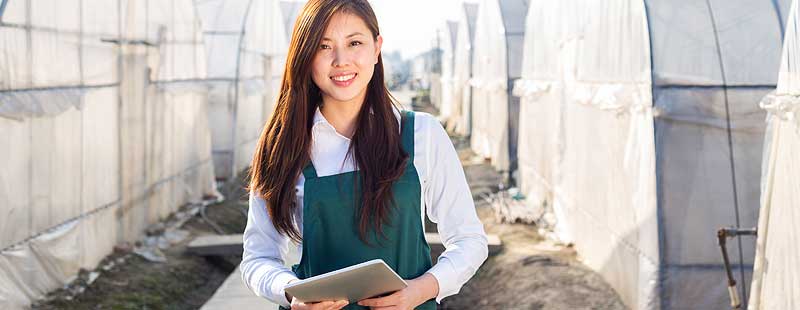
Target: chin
{"x":344,"y":96}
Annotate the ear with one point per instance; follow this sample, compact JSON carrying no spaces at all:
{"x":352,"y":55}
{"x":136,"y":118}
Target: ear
{"x":378,"y":44}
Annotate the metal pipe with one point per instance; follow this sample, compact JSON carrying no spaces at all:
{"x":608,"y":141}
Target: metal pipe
{"x":722,"y":236}
{"x":731,"y":152}
{"x":236,"y":89}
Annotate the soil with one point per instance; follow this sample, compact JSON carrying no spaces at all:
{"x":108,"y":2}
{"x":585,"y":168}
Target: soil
{"x":183,"y":282}
{"x":530,"y":272}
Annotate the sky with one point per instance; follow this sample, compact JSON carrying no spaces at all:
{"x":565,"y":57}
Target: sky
{"x":409,"y":26}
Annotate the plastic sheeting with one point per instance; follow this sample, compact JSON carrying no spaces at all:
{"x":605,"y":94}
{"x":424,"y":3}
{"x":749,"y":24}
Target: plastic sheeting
{"x":103,"y":129}
{"x":499,"y":34}
{"x":447,"y":44}
{"x":626,"y":106}
{"x":246,"y":47}
{"x":776,"y":283}
{"x":290,"y":9}
{"x":461,"y":114}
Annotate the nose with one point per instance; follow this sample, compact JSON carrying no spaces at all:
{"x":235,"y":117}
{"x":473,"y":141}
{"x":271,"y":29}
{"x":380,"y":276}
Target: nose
{"x":340,"y":57}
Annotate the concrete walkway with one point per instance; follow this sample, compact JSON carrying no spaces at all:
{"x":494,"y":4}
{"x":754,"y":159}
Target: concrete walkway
{"x":233,"y":294}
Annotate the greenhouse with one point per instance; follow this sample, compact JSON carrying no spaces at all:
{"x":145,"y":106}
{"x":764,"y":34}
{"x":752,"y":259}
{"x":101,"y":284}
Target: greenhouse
{"x":642,"y":133}
{"x":461,"y":114}
{"x":246,"y":46}
{"x":447,"y":44}
{"x":776,"y":284}
{"x":497,"y":63}
{"x":107,"y":118}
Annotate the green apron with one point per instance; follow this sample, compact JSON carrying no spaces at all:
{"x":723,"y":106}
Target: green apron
{"x":330,"y":227}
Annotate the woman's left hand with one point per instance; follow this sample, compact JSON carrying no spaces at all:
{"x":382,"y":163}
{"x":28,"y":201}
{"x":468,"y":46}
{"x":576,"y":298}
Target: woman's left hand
{"x":417,"y":292}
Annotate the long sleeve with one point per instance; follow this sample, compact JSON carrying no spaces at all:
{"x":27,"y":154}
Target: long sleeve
{"x":449,"y":204}
{"x":262,"y":266}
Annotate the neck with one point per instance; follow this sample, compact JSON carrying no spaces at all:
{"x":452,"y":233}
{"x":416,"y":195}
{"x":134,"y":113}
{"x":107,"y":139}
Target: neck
{"x":342,"y":114}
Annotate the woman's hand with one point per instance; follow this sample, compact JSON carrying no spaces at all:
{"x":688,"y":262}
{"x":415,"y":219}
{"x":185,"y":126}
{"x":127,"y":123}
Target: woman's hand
{"x":417,"y":292}
{"x":324,"y":305}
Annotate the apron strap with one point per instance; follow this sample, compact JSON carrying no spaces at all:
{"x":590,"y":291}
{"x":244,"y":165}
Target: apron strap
{"x":407,"y":133}
{"x":309,"y":172}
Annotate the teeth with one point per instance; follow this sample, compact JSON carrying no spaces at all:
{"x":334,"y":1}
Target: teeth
{"x":343,"y":78}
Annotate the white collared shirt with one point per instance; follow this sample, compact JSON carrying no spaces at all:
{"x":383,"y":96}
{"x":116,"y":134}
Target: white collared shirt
{"x":446,"y":198}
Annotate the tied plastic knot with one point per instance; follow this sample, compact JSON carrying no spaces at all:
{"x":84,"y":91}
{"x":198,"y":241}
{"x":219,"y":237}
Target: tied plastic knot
{"x":531,"y":89}
{"x":783,"y":106}
{"x":620,"y":97}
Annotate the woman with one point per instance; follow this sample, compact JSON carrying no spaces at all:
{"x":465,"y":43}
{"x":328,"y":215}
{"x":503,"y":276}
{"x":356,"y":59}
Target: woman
{"x":342,"y":174}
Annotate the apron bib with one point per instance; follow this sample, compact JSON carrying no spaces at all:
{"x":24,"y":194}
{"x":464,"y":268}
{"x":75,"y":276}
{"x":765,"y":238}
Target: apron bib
{"x":330,"y":226}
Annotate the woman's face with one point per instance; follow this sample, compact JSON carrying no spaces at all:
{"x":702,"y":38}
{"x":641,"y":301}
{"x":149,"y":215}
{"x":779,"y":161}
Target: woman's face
{"x":345,"y":59}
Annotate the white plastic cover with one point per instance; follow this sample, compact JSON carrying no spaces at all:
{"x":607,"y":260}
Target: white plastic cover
{"x":734,"y":48}
{"x":447,"y":35}
{"x":499,"y":32}
{"x":246,"y":46}
{"x":103,"y":130}
{"x":633,"y":156}
{"x":776,"y":283}
{"x":461,"y":114}
{"x":290,"y":9}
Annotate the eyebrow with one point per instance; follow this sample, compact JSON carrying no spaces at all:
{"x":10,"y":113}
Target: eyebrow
{"x":349,"y":36}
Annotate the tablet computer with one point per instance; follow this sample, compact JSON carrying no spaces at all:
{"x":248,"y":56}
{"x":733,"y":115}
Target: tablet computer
{"x":366,"y":280}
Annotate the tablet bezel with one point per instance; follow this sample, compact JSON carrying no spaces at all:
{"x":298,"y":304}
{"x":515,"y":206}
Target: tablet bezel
{"x":375,"y":278}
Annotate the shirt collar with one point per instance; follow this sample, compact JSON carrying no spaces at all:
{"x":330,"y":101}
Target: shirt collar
{"x":321,"y":123}
{"x":320,"y":120}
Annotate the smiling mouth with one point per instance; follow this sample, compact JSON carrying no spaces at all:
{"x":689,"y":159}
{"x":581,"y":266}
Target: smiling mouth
{"x":344,"y":80}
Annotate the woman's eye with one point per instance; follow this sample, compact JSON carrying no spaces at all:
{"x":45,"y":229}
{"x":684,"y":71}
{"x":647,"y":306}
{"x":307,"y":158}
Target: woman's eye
{"x":355,"y":43}
{"x":324,"y":47}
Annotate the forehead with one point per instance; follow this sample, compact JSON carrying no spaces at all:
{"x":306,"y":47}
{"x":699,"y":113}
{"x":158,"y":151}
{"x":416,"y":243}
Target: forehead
{"x":343,"y":24}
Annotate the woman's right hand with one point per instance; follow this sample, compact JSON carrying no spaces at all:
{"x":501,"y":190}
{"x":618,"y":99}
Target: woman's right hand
{"x":323,"y":305}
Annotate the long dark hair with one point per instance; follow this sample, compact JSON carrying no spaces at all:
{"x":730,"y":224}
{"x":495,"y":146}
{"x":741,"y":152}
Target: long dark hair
{"x":284,"y":146}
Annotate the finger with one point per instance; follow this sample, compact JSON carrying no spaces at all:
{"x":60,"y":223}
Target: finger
{"x":387,"y":301}
{"x":334,"y":305}
{"x":341,"y":304}
{"x":296,"y":305}
{"x":323,"y":305}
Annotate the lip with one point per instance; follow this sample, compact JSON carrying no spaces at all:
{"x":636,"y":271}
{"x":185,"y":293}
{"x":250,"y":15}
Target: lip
{"x":343,"y":83}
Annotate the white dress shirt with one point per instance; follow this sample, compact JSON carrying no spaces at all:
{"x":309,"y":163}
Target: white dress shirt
{"x":445,"y":197}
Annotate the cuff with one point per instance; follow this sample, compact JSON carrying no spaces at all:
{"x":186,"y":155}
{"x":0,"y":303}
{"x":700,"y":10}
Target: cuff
{"x":279,"y":287}
{"x":446,"y":277}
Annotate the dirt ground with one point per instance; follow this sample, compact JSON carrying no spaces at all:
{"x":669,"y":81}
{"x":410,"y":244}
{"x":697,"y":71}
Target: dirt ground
{"x":182,"y":282}
{"x":529,"y":273}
